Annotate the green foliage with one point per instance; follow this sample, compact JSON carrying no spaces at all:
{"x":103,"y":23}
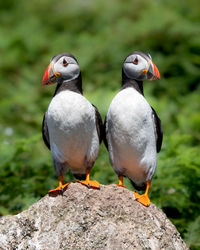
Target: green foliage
{"x":101,"y":34}
{"x":22,"y":175}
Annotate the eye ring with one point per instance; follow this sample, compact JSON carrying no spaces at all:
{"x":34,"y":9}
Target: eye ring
{"x":65,"y":63}
{"x":135,"y":61}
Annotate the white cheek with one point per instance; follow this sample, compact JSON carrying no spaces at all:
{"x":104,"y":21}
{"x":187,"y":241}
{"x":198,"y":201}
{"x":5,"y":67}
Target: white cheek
{"x":131,"y":70}
{"x":134,"y":71}
{"x":58,"y":67}
{"x":70,"y":72}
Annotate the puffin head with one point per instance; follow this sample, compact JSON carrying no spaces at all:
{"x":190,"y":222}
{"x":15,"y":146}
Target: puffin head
{"x":139,"y":66}
{"x":62,"y":67}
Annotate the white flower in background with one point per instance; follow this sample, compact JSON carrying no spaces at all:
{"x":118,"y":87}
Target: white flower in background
{"x":8,"y":131}
{"x":6,"y":142}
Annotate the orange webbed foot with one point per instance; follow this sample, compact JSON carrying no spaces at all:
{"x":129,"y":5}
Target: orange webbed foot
{"x":90,"y":184}
{"x":59,"y":190}
{"x":143,"y":199}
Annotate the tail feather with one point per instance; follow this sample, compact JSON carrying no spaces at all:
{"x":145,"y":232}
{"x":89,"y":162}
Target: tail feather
{"x":140,"y":187}
{"x":80,"y":176}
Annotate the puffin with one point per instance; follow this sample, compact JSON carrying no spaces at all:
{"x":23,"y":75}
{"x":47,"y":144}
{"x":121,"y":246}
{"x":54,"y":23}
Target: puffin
{"x":133,"y":132}
{"x":72,"y":127}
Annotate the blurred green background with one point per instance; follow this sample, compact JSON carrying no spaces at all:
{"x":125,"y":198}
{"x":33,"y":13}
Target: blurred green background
{"x":101,"y":34}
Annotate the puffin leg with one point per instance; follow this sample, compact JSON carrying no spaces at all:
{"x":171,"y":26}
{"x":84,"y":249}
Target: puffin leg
{"x":120,"y":184}
{"x":88,"y":182}
{"x":143,"y":199}
{"x":61,"y":187}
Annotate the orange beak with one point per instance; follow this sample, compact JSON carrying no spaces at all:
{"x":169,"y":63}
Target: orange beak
{"x":49,"y":75}
{"x":153,"y":72}
{"x":156,"y":73}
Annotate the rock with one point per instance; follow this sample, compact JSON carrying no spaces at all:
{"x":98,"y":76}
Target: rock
{"x":84,"y":218}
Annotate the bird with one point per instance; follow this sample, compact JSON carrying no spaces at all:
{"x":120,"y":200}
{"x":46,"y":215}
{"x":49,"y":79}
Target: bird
{"x":133,"y":131}
{"x":72,"y":127}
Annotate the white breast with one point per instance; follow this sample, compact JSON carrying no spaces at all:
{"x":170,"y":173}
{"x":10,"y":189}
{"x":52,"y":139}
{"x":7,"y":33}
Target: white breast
{"x":131,"y":138}
{"x":72,"y":130}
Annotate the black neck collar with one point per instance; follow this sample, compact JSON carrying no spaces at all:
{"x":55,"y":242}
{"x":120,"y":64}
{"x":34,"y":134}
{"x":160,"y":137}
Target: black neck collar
{"x":136,"y":84}
{"x":73,"y":85}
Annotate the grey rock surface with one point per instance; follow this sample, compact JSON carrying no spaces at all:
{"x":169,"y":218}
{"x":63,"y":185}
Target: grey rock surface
{"x":84,"y":218}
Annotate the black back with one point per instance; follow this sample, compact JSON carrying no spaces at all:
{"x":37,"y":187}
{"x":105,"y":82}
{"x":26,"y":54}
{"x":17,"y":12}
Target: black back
{"x":158,"y":131}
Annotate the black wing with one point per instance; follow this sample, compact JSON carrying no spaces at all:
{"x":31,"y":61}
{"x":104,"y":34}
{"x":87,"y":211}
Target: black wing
{"x":45,"y":132}
{"x":99,"y":124}
{"x":105,"y":139}
{"x":158,"y":131}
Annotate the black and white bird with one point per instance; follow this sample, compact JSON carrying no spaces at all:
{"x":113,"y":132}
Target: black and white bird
{"x":133,"y":129}
{"x":72,"y":127}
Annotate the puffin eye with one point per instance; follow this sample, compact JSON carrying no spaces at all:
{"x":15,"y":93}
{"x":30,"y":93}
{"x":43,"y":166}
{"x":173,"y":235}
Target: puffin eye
{"x":135,"y":61}
{"x":65,"y":63}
